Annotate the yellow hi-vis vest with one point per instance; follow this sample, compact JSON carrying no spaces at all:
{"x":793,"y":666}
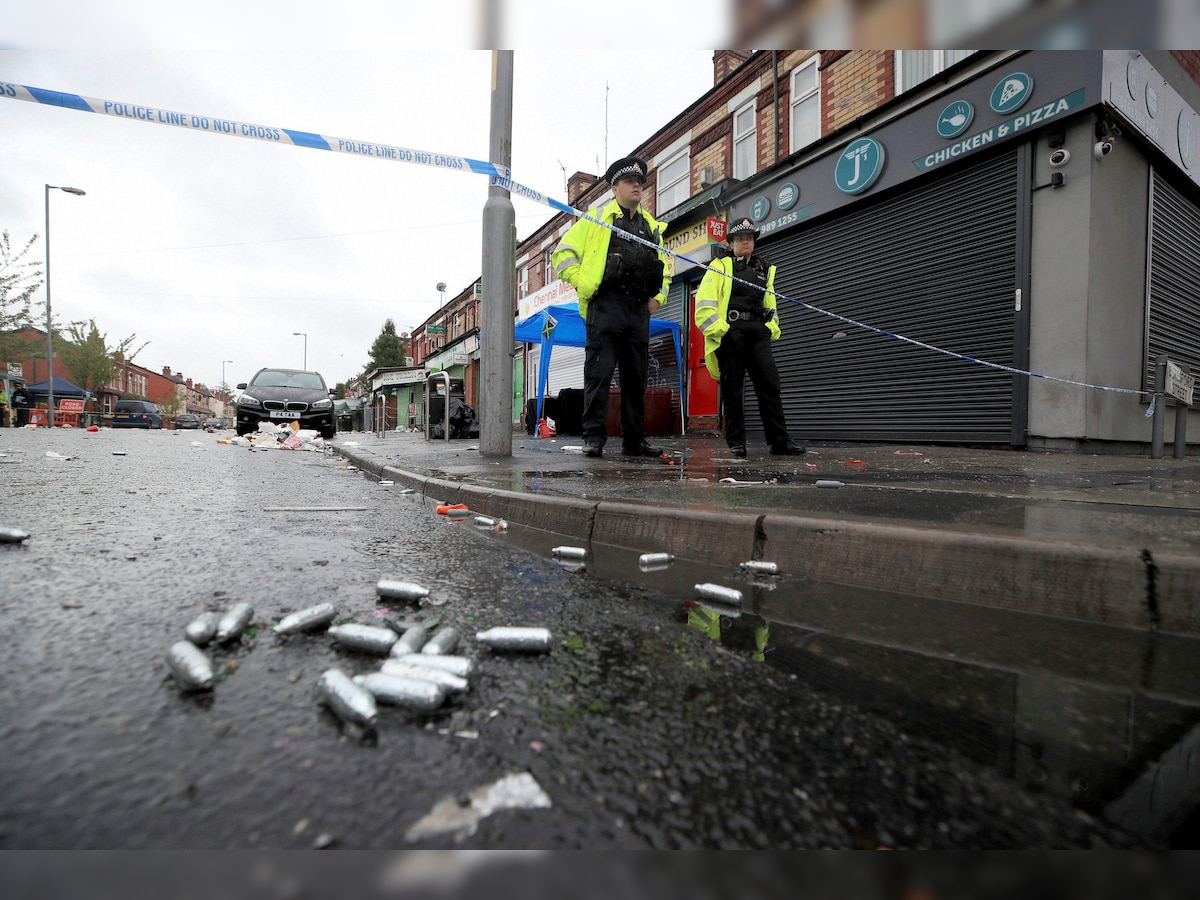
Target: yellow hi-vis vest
{"x":580,"y":256}
{"x":712,"y":308}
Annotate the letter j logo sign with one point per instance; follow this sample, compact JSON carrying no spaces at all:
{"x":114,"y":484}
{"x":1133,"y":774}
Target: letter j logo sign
{"x":858,"y":166}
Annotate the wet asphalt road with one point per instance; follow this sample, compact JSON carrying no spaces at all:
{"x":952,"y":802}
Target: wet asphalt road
{"x":643,"y":730}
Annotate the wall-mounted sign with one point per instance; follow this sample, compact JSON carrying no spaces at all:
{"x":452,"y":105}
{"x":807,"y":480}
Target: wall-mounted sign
{"x":1189,"y":130}
{"x":759,"y":208}
{"x":715,"y":228}
{"x":1011,"y":92}
{"x":435,"y":329}
{"x":859,"y":166}
{"x":786,"y":196}
{"x":955,"y":119}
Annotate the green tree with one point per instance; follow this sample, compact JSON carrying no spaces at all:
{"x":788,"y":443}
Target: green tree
{"x":89,"y":360}
{"x":19,"y":279}
{"x":388,"y":349}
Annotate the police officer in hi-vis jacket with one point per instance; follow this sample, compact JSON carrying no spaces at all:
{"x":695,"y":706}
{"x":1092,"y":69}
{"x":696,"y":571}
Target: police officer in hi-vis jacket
{"x":620,"y":282}
{"x":738,"y":321}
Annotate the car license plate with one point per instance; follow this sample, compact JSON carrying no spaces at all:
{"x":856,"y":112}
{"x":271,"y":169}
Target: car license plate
{"x":284,"y":414}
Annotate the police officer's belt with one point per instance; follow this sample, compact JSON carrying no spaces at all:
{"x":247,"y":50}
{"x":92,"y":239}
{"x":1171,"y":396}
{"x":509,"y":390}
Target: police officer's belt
{"x":757,"y":315}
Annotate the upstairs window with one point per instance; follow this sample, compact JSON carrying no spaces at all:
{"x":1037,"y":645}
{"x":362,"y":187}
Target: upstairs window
{"x":745,"y":143}
{"x":523,"y":281}
{"x":916,"y":66}
{"x":805,"y":105}
{"x":674,"y":183}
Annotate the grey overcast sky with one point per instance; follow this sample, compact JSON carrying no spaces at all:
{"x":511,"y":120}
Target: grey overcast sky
{"x":218,"y":248}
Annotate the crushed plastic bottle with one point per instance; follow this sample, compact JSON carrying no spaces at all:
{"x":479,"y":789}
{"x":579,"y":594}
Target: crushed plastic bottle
{"x":526,"y":640}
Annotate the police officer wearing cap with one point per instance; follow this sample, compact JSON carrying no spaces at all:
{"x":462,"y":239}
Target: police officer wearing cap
{"x":620,"y":283}
{"x":737,"y":317}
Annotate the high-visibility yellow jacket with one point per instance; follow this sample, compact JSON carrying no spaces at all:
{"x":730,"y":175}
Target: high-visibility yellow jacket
{"x":580,"y":256}
{"x":712,"y":308}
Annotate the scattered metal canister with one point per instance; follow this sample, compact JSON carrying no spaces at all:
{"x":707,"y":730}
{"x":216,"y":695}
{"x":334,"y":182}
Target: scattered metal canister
{"x":760,"y":567}
{"x":191,"y":668}
{"x":306,"y":619}
{"x":455,"y":665}
{"x":570,"y":552}
{"x":401,"y":590}
{"x":655,"y":559}
{"x":411,"y":641}
{"x":13,"y":535}
{"x":485,"y":522}
{"x":349,"y":701}
{"x":527,"y":640}
{"x":202,"y":629}
{"x":365,"y":638}
{"x":445,"y":641}
{"x":719,"y":593}
{"x":448,"y":680}
{"x":234,"y":622}
{"x":397,"y":690}
{"x":828,"y":483}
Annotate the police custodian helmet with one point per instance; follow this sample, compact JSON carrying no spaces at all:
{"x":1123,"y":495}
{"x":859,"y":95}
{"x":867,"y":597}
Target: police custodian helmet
{"x":624,"y":168}
{"x":741,"y":226}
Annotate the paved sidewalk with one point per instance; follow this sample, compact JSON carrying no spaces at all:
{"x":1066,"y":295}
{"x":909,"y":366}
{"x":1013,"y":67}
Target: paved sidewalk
{"x":1103,"y":538}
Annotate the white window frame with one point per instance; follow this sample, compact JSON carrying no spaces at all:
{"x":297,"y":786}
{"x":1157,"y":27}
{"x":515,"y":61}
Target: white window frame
{"x":523,"y":282}
{"x":941,"y":60}
{"x":751,"y":135}
{"x":671,"y":188}
{"x":810,"y":94}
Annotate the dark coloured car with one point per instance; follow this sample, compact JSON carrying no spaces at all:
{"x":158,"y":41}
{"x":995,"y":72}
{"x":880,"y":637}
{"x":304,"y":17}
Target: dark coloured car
{"x":213,"y":424}
{"x":280,"y":396}
{"x":136,"y":414}
{"x":187,"y":420}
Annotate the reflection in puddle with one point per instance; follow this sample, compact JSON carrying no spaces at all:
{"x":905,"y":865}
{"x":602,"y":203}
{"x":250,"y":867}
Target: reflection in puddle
{"x":1105,"y":716}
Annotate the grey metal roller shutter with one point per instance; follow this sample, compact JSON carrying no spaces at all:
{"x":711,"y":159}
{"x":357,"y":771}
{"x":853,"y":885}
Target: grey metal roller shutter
{"x":1173,"y":295}
{"x":939,"y":264}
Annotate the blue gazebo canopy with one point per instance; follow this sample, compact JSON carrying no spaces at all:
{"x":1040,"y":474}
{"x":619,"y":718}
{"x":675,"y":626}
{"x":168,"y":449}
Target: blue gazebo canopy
{"x":62,"y":388}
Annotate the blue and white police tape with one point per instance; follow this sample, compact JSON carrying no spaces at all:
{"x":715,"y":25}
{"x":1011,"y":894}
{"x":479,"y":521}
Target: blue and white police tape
{"x":231,"y":128}
{"x":499,"y":176}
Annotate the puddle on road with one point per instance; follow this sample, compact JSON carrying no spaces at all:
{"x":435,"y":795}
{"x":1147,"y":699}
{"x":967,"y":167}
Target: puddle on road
{"x":1106,"y":717}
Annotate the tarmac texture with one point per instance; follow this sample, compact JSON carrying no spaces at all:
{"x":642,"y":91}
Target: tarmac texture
{"x":1110,"y":539}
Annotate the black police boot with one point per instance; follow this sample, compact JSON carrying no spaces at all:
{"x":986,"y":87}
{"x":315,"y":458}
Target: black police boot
{"x":787,"y":448}
{"x":642,"y":449}
{"x":592,"y":449}
{"x":737,"y":451}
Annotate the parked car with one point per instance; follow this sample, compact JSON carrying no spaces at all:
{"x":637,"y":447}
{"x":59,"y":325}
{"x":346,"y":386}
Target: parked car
{"x":187,"y":420}
{"x":214,"y":424}
{"x":286,"y":395}
{"x":136,"y":414}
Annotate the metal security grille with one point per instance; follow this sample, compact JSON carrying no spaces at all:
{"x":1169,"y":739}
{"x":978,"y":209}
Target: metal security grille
{"x":1173,"y":295}
{"x":938,"y":264}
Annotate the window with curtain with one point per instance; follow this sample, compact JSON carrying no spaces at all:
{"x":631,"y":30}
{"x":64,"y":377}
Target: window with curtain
{"x":805,"y":105}
{"x":674,"y":185}
{"x":745,"y":143}
{"x":916,"y":66}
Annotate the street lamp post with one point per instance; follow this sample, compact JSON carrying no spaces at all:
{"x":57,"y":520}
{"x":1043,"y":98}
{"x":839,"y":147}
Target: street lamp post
{"x":224,"y":384}
{"x":305,"y":336}
{"x":49,"y":321}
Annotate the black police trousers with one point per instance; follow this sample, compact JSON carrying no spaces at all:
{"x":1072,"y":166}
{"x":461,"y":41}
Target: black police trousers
{"x":618,"y":336}
{"x":746,"y":350}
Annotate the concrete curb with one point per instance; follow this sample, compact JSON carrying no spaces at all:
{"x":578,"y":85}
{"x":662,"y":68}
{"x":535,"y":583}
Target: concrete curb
{"x":1105,"y":585}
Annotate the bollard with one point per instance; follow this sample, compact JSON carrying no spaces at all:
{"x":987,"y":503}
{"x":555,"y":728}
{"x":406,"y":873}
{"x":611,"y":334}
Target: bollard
{"x":1160,"y":406}
{"x":1181,"y":414}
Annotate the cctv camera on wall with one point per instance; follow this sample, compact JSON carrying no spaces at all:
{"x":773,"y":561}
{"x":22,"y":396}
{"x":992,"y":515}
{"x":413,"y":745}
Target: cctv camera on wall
{"x":1102,"y":149}
{"x":1060,"y":158}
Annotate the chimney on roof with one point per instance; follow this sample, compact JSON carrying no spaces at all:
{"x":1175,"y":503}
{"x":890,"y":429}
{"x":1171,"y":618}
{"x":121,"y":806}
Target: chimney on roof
{"x":726,"y":61}
{"x":189,"y":383}
{"x":167,"y":371}
{"x":577,"y":184}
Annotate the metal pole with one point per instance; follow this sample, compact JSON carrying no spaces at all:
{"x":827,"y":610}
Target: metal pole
{"x":49,"y":326}
{"x":1181,"y":414}
{"x":1160,"y":404}
{"x":499,"y":278}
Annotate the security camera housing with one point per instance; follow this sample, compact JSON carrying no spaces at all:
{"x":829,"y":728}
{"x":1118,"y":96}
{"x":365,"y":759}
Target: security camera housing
{"x":1060,"y":158}
{"x":1102,"y":149}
